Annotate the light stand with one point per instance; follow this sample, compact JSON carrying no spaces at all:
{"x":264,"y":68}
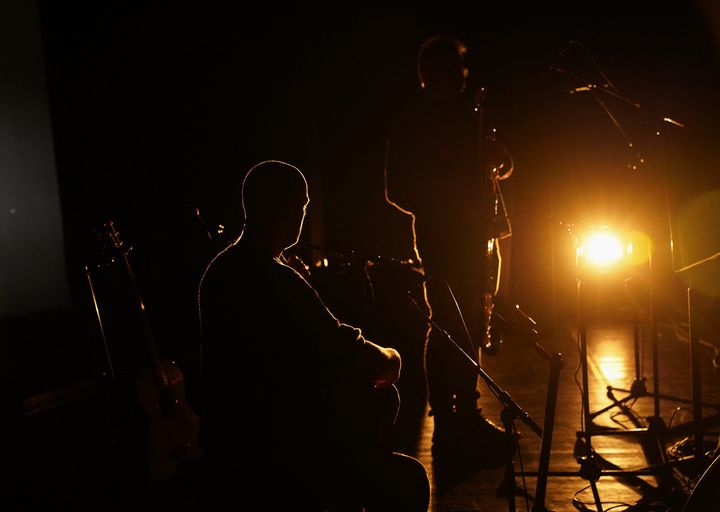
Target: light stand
{"x":599,"y":93}
{"x":694,"y":340}
{"x":638,"y":388}
{"x":589,"y":429}
{"x":656,"y":427}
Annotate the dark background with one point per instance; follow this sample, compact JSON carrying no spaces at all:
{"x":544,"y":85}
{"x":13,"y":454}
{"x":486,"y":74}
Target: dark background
{"x":158,"y":109}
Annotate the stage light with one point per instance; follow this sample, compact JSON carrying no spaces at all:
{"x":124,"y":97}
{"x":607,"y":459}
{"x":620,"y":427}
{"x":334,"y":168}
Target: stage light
{"x":603,"y":249}
{"x":600,"y":248}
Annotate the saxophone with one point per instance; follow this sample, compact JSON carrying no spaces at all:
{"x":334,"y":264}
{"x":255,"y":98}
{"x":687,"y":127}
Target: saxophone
{"x":496,"y":165}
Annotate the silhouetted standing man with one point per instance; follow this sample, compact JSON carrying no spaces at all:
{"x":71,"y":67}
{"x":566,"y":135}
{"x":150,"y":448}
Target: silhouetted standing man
{"x":434,"y":173}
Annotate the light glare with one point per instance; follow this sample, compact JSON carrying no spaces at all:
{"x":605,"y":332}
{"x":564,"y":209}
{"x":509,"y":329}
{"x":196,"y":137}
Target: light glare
{"x":601,"y":249}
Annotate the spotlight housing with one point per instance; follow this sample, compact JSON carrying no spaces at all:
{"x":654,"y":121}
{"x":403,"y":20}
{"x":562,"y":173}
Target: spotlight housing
{"x":602,"y":249}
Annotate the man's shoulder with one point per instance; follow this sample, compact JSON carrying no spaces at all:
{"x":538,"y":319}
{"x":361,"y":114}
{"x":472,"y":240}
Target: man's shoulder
{"x":407,"y":119}
{"x":228,"y":266}
{"x":412,"y":101}
{"x":422,"y":109}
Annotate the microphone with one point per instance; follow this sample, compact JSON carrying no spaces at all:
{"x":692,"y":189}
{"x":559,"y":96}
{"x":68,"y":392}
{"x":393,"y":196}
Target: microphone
{"x":583,"y":88}
{"x":673,"y":122}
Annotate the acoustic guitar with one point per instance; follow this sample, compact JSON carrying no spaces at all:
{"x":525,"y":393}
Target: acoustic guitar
{"x":173,"y":426}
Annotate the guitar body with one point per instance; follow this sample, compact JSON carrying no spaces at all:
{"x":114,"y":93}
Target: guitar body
{"x":369,"y":424}
{"x":386,"y":409}
{"x":173,"y":427}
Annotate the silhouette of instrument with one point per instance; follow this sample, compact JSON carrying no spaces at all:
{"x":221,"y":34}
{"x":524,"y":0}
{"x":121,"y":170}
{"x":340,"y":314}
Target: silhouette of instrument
{"x":172,"y":428}
{"x":496,"y":164}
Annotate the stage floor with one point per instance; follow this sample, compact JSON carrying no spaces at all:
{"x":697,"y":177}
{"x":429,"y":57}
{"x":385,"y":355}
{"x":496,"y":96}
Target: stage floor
{"x":626,"y":437}
{"x":67,"y":456}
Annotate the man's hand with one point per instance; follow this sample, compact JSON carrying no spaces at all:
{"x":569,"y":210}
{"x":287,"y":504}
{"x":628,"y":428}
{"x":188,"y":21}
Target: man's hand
{"x":295,"y":262}
{"x":391,"y":371}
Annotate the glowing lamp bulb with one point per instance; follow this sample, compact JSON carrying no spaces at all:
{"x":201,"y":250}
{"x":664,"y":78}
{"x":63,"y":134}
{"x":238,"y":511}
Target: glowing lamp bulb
{"x":602,"y":249}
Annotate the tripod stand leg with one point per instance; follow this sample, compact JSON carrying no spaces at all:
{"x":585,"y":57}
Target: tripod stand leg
{"x":508,"y":485}
{"x":696,"y":381}
{"x":655,"y":357}
{"x":590,"y":471}
{"x":550,"y":405}
{"x":615,"y":402}
{"x":596,"y":495}
{"x":588,"y":468}
{"x":587,"y":416}
{"x":636,"y":346}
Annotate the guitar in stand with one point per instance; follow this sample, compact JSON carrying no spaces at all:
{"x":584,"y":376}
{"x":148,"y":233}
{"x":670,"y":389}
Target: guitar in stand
{"x":172,"y":425}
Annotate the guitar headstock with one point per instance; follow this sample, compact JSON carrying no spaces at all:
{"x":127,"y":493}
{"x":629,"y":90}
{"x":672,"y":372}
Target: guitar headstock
{"x":110,"y":245}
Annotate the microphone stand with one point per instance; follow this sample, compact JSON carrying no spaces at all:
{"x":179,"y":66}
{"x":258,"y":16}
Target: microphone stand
{"x":589,"y":469}
{"x":511,"y":409}
{"x":591,"y":87}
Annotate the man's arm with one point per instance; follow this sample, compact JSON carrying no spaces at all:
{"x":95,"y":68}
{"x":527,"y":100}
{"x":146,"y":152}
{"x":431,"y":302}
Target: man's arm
{"x":397,"y":174}
{"x":341,"y":343}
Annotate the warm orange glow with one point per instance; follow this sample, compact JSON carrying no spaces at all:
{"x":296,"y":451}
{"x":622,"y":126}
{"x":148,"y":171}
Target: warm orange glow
{"x":601,"y":248}
{"x":605,"y":249}
{"x":613,"y":368}
{"x":611,"y":359}
{"x":637,"y":248}
{"x":322,"y":263}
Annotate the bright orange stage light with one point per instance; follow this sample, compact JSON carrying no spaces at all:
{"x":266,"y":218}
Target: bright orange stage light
{"x":601,"y":249}
{"x":604,"y":250}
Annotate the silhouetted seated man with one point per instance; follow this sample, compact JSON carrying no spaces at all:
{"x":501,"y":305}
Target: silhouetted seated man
{"x":299,"y":407}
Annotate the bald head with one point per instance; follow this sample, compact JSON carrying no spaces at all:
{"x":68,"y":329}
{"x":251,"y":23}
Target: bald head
{"x":274,"y":197}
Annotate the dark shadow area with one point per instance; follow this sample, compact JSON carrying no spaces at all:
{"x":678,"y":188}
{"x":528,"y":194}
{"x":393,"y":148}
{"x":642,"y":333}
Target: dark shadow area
{"x":157,"y":111}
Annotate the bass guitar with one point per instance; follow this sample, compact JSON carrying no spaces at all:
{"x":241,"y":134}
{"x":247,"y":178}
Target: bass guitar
{"x":172,"y":425}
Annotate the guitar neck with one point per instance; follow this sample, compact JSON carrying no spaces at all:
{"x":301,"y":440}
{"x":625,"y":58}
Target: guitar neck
{"x":155,"y":363}
{"x":120,"y":251}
